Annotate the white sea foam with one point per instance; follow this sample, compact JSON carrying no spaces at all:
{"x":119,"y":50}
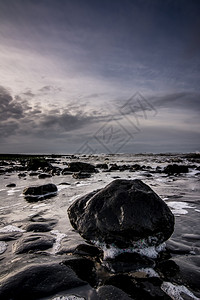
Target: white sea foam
{"x":149,"y":271}
{"x":12,"y":191}
{"x":11,"y":228}
{"x":142,"y":247}
{"x":70,"y":297}
{"x":59,"y":237}
{"x":175,"y":291}
{"x":3,"y":247}
{"x":179,"y":208}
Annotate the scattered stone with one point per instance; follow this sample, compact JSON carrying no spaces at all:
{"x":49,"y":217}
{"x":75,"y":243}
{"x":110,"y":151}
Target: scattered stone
{"x":37,"y":281}
{"x":88,"y":250}
{"x":10,"y":236}
{"x":44,"y":175}
{"x":123,"y":213}
{"x":81,"y":167}
{"x":34,"y":243}
{"x":83,"y":267}
{"x":36,"y":164}
{"x":127,"y":262}
{"x":35,"y":193}
{"x":39,"y":227}
{"x":81,"y":175}
{"x":102,"y":166}
{"x":34,"y":174}
{"x":22,"y":175}
{"x":111,"y":293}
{"x":11,"y":185}
{"x":176,"y":169}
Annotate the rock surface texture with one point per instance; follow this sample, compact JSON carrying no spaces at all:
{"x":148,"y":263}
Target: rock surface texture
{"x":122,"y":213}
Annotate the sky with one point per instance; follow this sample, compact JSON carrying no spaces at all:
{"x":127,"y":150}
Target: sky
{"x":99,"y":76}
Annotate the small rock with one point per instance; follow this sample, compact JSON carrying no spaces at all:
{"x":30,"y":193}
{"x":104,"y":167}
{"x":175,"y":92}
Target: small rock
{"x":88,"y":250}
{"x":83,"y":267}
{"x":33,"y":242}
{"x":44,"y":175}
{"x":37,"y":281}
{"x":39,"y":227}
{"x":110,"y":292}
{"x":11,"y":185}
{"x":35,"y":193}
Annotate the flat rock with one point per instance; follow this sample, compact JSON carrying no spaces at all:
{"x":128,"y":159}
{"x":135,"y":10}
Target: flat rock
{"x":37,"y":281}
{"x":176,"y":169}
{"x":112,"y":293}
{"x":122,"y":213}
{"x":81,"y":167}
{"x":34,"y":242}
{"x":36,"y":193}
{"x":39,"y":227}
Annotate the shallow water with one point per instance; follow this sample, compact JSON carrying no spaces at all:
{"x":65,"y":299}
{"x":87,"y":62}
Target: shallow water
{"x":181,"y":193}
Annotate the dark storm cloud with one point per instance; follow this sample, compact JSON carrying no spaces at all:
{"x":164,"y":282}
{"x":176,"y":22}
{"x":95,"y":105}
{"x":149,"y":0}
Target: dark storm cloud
{"x":181,"y":100}
{"x":19,"y":118}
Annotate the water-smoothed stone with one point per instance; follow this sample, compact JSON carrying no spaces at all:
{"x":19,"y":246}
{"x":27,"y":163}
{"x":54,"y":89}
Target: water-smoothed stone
{"x":80,"y":167}
{"x":11,"y":185}
{"x":140,"y":288}
{"x":81,"y":175}
{"x":176,"y":169}
{"x":127,"y":262}
{"x":124,"y":213}
{"x":112,"y":293}
{"x":88,"y":250}
{"x":37,"y":281}
{"x":44,"y":175}
{"x":10,"y":236}
{"x":83,"y":267}
{"x":34,"y":242}
{"x":36,"y":164}
{"x":39,"y":227}
{"x":35,"y":193}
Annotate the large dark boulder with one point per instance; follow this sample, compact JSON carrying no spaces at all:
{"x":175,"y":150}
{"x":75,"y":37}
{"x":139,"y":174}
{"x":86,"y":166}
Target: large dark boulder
{"x":37,"y":281}
{"x":176,"y":169}
{"x":36,"y":164}
{"x":80,"y":167}
{"x":35,"y":193}
{"x":123,"y":212}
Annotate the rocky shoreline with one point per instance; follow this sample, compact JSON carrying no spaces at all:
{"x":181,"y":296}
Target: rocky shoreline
{"x":125,"y":226}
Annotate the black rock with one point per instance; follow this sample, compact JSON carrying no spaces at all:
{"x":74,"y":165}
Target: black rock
{"x":176,"y":169}
{"x":148,"y":288}
{"x":83,"y":267}
{"x":127,"y":262}
{"x":39,"y":227}
{"x":44,"y":175}
{"x":88,"y":250}
{"x":10,"y":236}
{"x":33,"y":242}
{"x":36,"y":164}
{"x":81,"y":166}
{"x":111,"y":293}
{"x":11,"y":185}
{"x":35,"y":193}
{"x":81,"y":175}
{"x":102,"y":166}
{"x":122,"y":213}
{"x":37,"y":281}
